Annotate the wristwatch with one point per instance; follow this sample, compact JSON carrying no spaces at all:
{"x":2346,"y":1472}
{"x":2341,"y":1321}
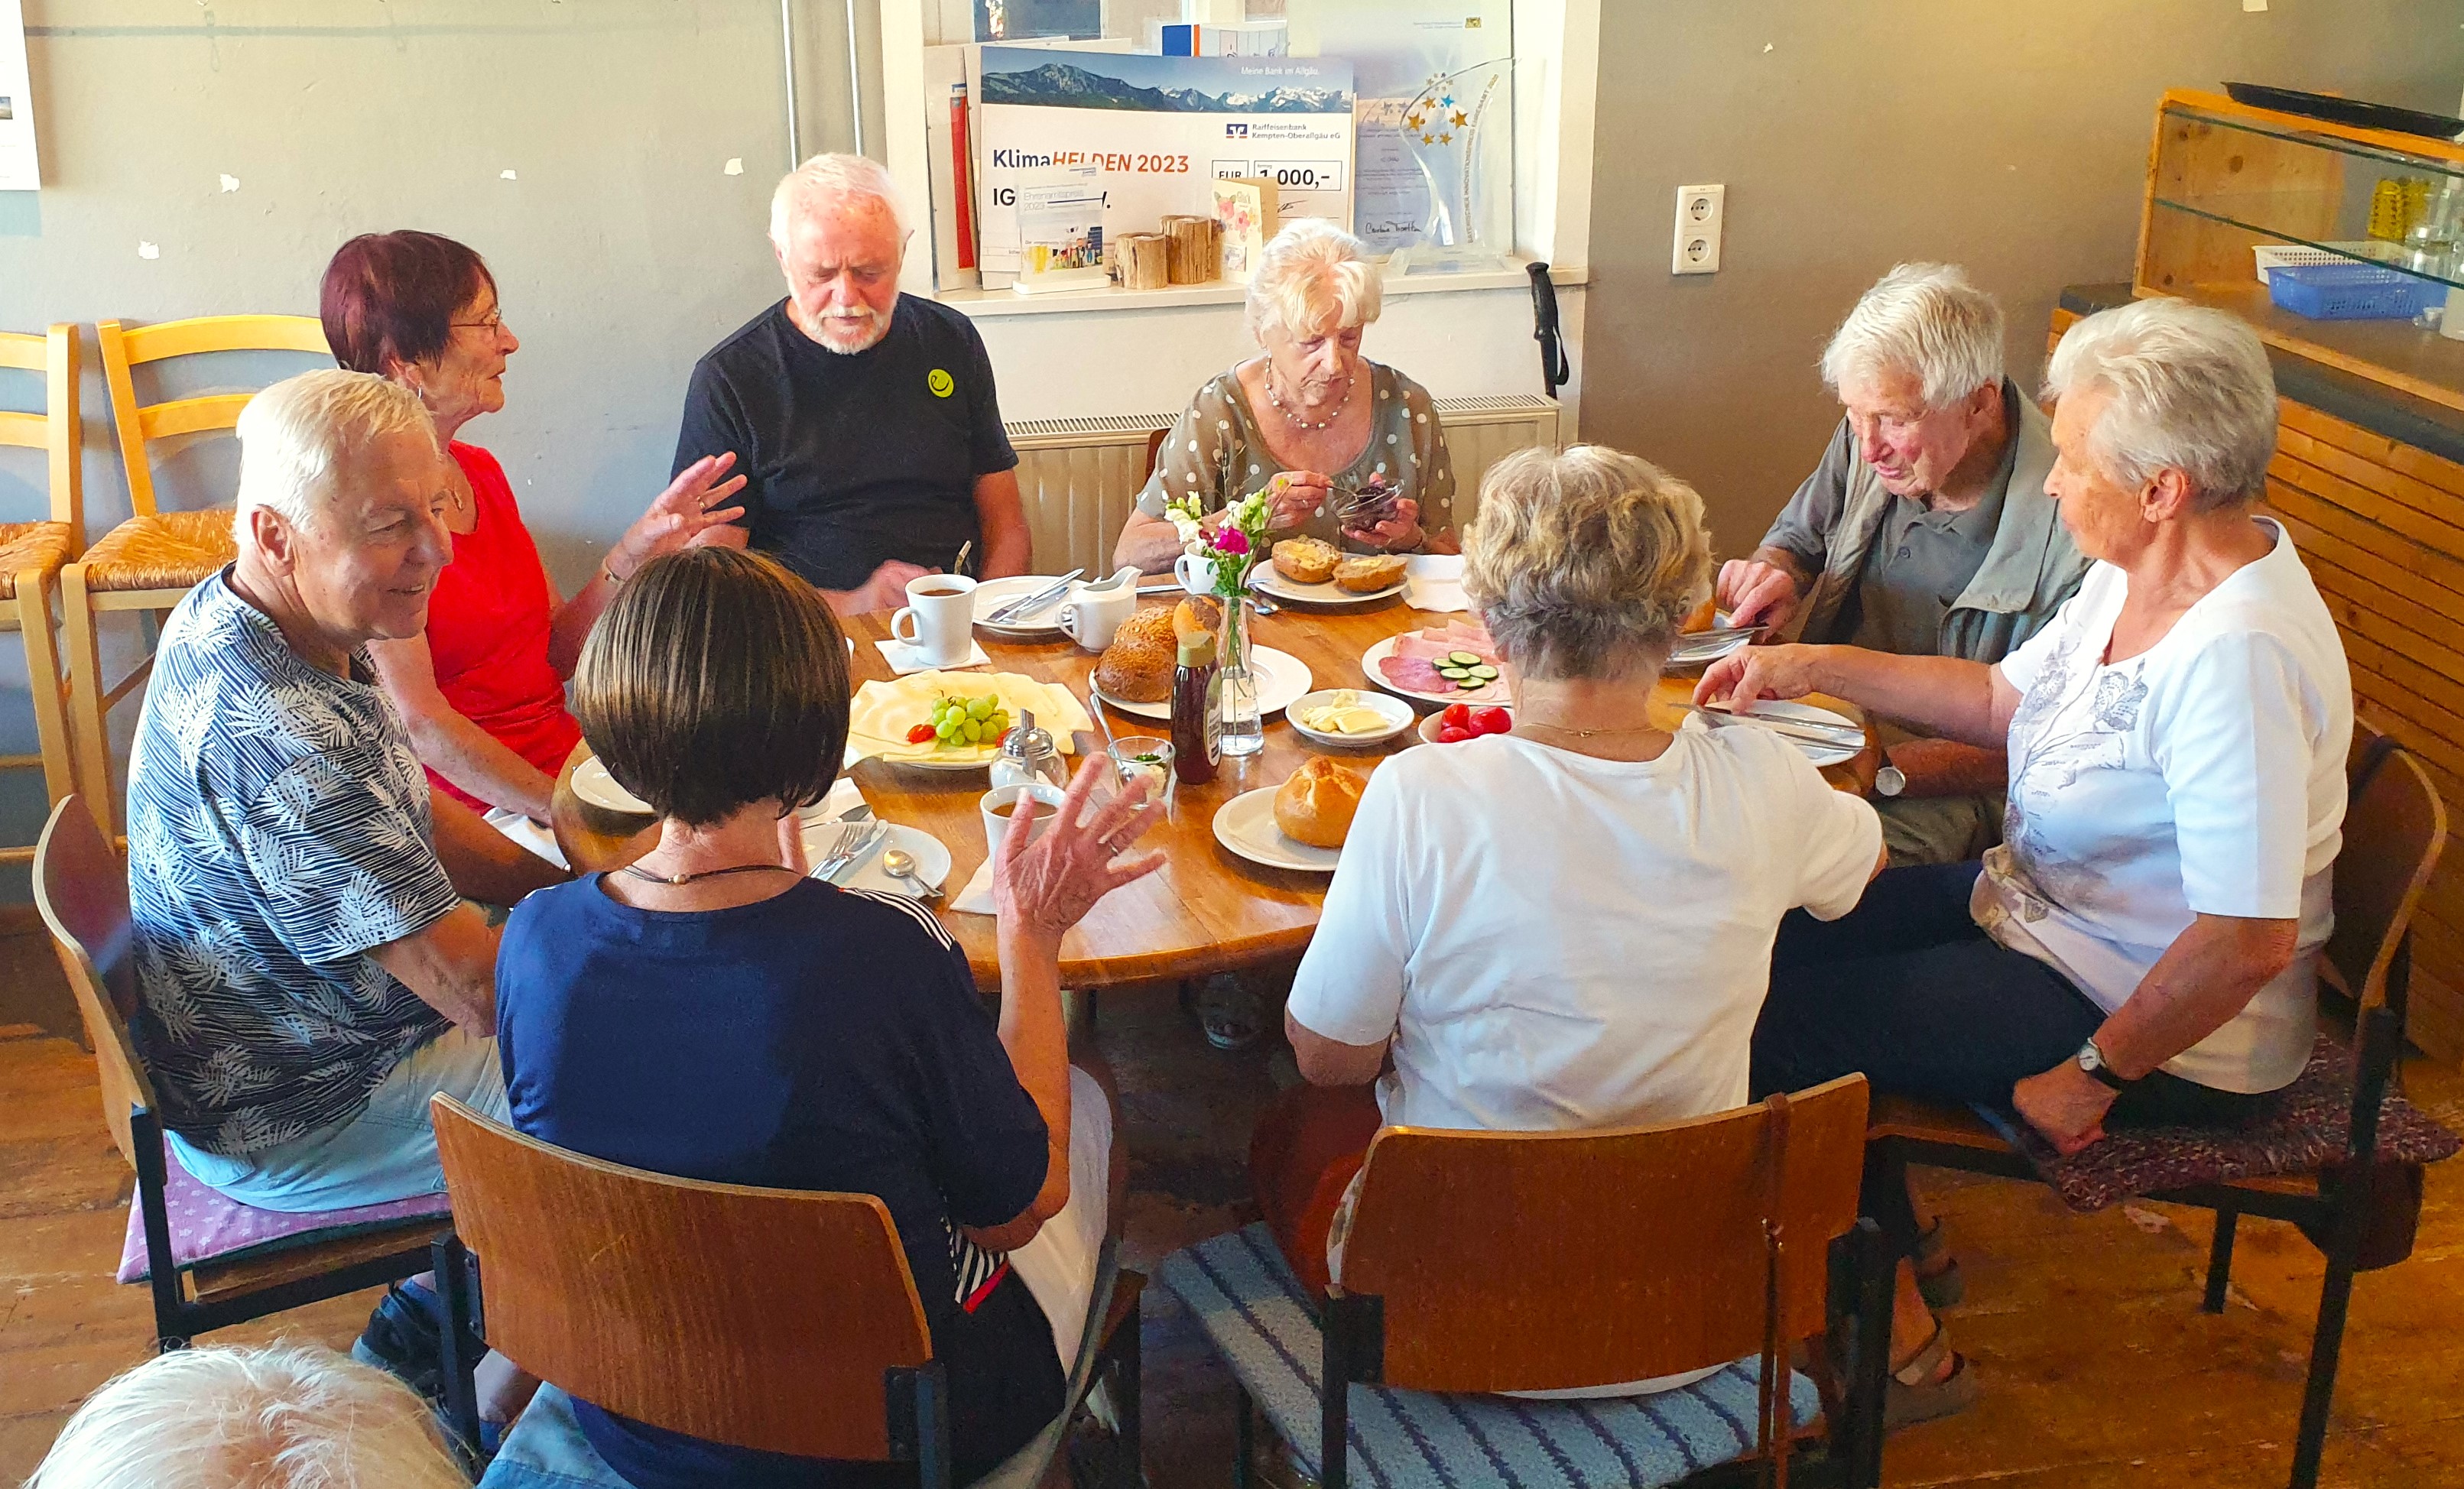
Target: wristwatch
{"x":2092,"y":1060}
{"x":1890,"y":780}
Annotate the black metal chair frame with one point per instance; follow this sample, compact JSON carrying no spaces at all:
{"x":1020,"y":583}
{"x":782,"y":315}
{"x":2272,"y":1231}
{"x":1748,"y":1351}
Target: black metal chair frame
{"x":1850,"y":1456}
{"x":2339,"y":1212}
{"x":179,"y":1318}
{"x":916,"y":1398}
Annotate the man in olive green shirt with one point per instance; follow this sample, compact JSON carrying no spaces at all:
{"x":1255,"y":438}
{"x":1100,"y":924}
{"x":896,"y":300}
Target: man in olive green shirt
{"x":1925,"y":529}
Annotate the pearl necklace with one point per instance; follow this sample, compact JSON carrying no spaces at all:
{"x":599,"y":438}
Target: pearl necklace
{"x":1295,"y":420}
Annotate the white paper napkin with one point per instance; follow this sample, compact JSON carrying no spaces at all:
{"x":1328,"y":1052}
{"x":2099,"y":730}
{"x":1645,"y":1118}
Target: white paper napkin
{"x":977,"y":898}
{"x":904,"y":659}
{"x":1433,"y":581}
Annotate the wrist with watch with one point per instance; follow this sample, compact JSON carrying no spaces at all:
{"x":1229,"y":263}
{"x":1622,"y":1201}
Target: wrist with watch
{"x":2092,"y":1060}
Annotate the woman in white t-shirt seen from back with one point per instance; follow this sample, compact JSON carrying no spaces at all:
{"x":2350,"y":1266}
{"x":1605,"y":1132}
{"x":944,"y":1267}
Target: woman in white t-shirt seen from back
{"x":2142,"y":946}
{"x":1568,"y":927}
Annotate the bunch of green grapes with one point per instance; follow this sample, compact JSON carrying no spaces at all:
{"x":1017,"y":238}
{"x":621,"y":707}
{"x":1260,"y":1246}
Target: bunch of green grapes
{"x":966,"y":721}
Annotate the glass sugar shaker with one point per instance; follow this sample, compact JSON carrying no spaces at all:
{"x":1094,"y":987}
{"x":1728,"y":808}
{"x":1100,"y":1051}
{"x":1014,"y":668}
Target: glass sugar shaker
{"x":1028,"y":753}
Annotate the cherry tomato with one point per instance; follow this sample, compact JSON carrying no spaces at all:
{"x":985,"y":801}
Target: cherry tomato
{"x":1492,"y":721}
{"x":922,"y":733}
{"x":1448,"y":733}
{"x":1005,"y":734}
{"x":1457,"y":715}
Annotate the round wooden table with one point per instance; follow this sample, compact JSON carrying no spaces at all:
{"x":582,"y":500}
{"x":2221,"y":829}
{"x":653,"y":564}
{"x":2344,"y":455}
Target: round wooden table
{"x":1206,"y":910}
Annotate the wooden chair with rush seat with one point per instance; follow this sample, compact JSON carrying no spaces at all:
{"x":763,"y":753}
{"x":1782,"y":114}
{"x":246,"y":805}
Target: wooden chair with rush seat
{"x":1484,"y":1262}
{"x":782,"y":1320}
{"x":148,"y":563}
{"x":287,"y":1260}
{"x":31,"y":553}
{"x":2395,"y":827}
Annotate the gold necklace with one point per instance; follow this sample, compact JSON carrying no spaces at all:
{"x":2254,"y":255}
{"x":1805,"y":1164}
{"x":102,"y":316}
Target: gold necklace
{"x":1586,"y":734}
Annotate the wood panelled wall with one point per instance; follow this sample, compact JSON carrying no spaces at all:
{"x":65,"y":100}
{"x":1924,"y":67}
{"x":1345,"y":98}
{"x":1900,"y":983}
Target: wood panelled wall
{"x":2380,"y":526}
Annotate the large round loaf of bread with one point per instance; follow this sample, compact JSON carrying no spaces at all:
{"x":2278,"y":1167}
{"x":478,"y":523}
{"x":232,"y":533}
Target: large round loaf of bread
{"x":1137,"y":667}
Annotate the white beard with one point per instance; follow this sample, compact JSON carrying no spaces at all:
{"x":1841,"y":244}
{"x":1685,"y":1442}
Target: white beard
{"x":848,"y":335}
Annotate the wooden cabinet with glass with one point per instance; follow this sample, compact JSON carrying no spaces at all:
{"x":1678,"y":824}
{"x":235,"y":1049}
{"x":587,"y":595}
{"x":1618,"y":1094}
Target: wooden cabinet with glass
{"x":2224,"y":178}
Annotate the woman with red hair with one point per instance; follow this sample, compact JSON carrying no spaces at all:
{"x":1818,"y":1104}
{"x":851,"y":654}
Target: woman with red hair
{"x":483,"y":691}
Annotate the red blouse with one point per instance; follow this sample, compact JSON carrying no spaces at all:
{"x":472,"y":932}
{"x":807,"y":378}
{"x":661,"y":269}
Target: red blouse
{"x":487,"y":630}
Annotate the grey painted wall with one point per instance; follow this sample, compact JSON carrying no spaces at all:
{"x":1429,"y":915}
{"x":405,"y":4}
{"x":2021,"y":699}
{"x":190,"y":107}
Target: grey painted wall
{"x":2009,"y":137}
{"x":622,"y":248}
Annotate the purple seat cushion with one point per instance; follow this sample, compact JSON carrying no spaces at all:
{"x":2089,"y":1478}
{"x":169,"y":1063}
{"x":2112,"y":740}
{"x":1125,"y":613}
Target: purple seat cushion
{"x":2302,"y":1128}
{"x":209,"y":1226}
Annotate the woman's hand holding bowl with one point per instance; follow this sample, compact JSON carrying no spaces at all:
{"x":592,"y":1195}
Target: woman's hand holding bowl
{"x":1398,"y":531}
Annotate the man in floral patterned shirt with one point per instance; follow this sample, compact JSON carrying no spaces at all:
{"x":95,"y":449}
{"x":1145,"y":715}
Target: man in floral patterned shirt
{"x":308,"y":973}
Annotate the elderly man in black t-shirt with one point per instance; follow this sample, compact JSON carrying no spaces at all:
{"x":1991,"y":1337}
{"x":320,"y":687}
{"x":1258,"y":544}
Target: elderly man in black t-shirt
{"x":864,"y":419}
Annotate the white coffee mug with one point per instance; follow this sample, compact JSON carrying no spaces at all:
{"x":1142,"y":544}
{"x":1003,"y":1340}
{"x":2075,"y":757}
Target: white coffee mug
{"x":1197,"y":575}
{"x":1093,"y":612}
{"x":996,"y":823}
{"x":942,"y":610}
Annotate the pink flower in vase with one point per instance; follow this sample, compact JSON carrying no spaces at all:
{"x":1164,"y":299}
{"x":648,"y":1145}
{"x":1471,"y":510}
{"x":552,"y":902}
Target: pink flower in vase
{"x":1231,"y":540}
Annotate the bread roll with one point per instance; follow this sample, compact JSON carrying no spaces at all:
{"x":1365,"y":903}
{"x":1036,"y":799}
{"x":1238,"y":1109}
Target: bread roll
{"x":1307,"y":561}
{"x":1196,"y":616}
{"x":1137,"y":667}
{"x":1702,"y":618}
{"x":1315,"y":806}
{"x":1368,"y":573}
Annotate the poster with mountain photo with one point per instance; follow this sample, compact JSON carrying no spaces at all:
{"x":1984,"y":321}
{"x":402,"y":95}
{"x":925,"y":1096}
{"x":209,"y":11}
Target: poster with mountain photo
{"x":1157,"y":130}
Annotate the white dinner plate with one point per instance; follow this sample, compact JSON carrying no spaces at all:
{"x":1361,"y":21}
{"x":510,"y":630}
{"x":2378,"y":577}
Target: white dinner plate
{"x":993,"y":594}
{"x":1282,"y":677}
{"x":1268,"y":579}
{"x":1395,"y":710}
{"x":931,"y":858}
{"x":1246,"y":825}
{"x":1491,"y":692}
{"x":1806,"y":713}
{"x":592,"y":783}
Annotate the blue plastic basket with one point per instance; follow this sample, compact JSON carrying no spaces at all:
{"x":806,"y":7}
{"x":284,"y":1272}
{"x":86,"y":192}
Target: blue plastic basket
{"x":2351,"y":291}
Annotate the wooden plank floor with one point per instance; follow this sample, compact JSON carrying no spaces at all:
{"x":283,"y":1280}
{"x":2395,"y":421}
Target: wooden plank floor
{"x":2099,"y":1368}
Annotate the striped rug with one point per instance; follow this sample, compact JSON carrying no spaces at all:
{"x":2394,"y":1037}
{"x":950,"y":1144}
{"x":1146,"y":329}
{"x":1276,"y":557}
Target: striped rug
{"x":1263,"y":1325}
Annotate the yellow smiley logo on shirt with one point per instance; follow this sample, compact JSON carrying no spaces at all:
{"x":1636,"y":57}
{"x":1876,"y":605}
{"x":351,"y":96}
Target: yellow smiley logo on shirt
{"x":940,"y":383}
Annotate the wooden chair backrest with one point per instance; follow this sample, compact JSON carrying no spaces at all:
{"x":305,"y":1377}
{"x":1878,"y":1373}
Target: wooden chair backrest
{"x":55,"y":431}
{"x":1546,"y":1260}
{"x":81,"y":889}
{"x":763,"y":1317}
{"x":123,"y":348}
{"x":2395,"y":827}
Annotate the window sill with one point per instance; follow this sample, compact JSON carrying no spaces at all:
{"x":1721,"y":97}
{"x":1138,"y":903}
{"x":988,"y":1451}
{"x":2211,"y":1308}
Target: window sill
{"x":1009,"y":302}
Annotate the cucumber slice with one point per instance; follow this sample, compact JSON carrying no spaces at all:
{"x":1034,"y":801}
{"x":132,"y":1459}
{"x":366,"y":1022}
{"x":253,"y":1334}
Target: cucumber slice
{"x":1453,"y":674}
{"x":1484,"y":672}
{"x":1463,"y":658}
{"x":1470,"y":683}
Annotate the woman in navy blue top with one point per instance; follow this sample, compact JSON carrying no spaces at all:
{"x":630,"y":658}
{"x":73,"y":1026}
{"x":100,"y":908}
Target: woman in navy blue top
{"x":711,"y":1012}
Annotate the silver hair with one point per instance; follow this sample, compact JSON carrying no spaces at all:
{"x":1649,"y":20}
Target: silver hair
{"x":284,"y":1418}
{"x":833,"y":178}
{"x":1583,"y":563}
{"x":2190,"y":391}
{"x":296,"y":437}
{"x":1313,"y":276}
{"x":1926,"y":320}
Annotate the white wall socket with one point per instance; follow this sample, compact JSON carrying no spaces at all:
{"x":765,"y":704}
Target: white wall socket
{"x":1701,"y":213}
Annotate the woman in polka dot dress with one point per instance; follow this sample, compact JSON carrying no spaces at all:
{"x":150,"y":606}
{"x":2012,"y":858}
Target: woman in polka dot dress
{"x":1311,"y":423}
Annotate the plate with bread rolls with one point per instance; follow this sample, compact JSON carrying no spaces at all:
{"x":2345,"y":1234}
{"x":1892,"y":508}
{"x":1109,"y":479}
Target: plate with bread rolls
{"x":1300,"y":825}
{"x":1312,"y":571}
{"x":1134,"y":672}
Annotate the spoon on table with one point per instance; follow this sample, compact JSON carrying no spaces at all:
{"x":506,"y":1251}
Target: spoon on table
{"x":959,"y":564}
{"x":900,"y":864}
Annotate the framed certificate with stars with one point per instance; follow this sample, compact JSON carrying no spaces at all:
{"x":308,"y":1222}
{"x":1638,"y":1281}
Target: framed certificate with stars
{"x":1434,"y":182}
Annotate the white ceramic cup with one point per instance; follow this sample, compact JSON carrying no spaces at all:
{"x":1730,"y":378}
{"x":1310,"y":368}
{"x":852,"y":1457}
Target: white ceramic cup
{"x":1197,"y":575}
{"x":996,"y":823}
{"x":1093,"y":612}
{"x":941,"y":609}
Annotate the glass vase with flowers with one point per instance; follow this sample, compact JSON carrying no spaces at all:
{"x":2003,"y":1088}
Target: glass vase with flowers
{"x":1217,"y":553}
